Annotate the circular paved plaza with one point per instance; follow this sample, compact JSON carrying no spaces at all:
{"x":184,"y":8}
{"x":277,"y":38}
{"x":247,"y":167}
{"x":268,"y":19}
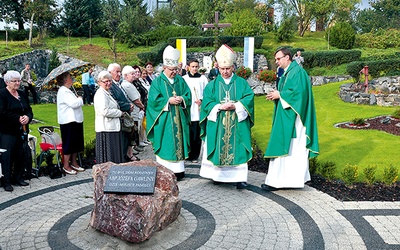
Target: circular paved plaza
{"x":55,"y":213}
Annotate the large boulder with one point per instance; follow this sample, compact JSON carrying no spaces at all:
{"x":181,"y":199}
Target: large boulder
{"x":132,"y":217}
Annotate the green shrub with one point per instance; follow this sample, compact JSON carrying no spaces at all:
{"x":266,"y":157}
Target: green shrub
{"x":369,"y":173}
{"x":266,"y":75}
{"x":396,"y":113}
{"x":375,"y":68}
{"x":382,"y":39}
{"x":154,"y":56}
{"x":341,"y":36}
{"x":350,"y":174}
{"x":243,"y":72}
{"x":313,"y":165}
{"x":244,"y":23}
{"x":90,"y":148}
{"x":358,"y":121}
{"x":327,"y":169}
{"x":285,"y":32}
{"x":329,"y":58}
{"x":390,"y":175}
{"x":54,"y":61}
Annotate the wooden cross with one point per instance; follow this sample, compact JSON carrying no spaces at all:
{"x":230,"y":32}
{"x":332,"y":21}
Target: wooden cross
{"x":216,"y":26}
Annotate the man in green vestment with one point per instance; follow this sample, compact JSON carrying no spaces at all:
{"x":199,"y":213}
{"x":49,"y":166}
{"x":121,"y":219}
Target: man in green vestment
{"x":226,"y":117}
{"x":168,"y":115}
{"x":294,"y":135}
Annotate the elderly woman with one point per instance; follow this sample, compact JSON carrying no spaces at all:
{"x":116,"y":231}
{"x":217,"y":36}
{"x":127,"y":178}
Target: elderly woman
{"x":143,"y":98}
{"x":15,"y":115}
{"x":107,"y":123}
{"x":70,"y":118}
{"x":130,"y":74}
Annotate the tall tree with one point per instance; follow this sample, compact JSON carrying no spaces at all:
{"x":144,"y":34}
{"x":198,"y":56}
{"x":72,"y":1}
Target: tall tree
{"x":78,"y":15}
{"x":182,"y":12}
{"x":112,"y":19}
{"x":327,"y":10}
{"x":43,"y":13}
{"x":204,"y":10}
{"x":14,"y":11}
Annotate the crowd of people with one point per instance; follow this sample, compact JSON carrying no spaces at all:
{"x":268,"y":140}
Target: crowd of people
{"x":180,"y":113}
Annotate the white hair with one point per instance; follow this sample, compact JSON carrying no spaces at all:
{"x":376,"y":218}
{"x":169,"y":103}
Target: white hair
{"x":127,"y":69}
{"x":112,"y":66}
{"x":104,"y":75}
{"x":12,"y":74}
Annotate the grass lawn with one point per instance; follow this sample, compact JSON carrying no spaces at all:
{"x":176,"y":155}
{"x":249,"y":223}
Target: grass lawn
{"x":342,"y":146}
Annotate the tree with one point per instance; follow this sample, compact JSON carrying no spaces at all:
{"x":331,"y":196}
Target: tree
{"x":112,"y":19}
{"x":342,"y":36}
{"x":384,"y":14}
{"x":244,"y":23}
{"x":13,"y":10}
{"x":182,"y":12}
{"x":204,"y":10}
{"x":78,"y":15}
{"x":43,"y":13}
{"x":134,"y":21}
{"x":323,"y":10}
{"x":163,"y":17}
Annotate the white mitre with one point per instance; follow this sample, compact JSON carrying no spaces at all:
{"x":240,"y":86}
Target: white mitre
{"x":225,"y":56}
{"x":171,"y":56}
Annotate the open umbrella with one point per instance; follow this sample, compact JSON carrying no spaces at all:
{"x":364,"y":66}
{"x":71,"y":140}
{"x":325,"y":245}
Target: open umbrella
{"x":74,"y":67}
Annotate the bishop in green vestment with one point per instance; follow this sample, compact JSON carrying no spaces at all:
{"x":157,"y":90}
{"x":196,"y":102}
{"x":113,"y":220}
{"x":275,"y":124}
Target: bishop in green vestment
{"x":226,"y":118}
{"x":294,"y":135}
{"x":168,"y":115}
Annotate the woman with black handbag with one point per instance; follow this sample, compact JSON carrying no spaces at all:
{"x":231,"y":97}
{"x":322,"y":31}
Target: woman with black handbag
{"x":15,"y":113}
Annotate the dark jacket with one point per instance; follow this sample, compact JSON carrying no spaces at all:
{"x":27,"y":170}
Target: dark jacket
{"x":10,"y":111}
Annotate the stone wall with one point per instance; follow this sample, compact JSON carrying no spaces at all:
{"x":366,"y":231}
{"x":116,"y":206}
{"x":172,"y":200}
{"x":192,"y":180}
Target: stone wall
{"x":383,"y":91}
{"x":38,"y":59}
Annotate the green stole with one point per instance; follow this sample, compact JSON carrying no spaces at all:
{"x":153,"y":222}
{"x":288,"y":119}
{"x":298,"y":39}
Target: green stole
{"x":228,"y":141}
{"x":294,"y":88}
{"x":169,"y":130}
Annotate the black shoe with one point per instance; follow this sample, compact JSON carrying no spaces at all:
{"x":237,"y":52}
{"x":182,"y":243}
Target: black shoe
{"x":268,"y":188}
{"x":8,"y":188}
{"x":180,"y":176}
{"x":22,"y":183}
{"x":241,"y":185}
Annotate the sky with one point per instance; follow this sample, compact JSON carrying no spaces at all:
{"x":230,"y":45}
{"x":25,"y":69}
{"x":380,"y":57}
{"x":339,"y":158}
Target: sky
{"x":151,"y":3}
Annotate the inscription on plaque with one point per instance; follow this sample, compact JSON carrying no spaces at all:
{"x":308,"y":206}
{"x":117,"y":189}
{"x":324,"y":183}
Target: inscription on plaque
{"x":131,"y":180}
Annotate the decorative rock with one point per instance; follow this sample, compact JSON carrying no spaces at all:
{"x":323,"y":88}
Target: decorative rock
{"x":131,"y":217}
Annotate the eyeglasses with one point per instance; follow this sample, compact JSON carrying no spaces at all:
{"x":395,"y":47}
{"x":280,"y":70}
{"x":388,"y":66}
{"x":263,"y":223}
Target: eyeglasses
{"x":106,"y":81}
{"x":15,"y":81}
{"x":173,"y":70}
{"x":279,"y":58}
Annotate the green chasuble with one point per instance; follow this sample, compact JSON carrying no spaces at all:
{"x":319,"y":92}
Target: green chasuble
{"x":228,"y":141}
{"x":168,"y":129}
{"x":294,"y":88}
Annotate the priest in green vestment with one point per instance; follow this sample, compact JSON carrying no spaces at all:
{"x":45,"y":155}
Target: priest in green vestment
{"x":168,"y":115}
{"x":294,"y":135}
{"x":226,"y":118}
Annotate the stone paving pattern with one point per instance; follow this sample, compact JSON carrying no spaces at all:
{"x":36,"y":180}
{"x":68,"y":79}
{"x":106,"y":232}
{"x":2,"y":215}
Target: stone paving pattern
{"x":54,"y":214}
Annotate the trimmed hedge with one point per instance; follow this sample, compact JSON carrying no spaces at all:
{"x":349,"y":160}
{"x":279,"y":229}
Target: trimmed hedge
{"x":199,"y":41}
{"x":375,"y":68}
{"x":330,"y":58}
{"x":154,"y":56}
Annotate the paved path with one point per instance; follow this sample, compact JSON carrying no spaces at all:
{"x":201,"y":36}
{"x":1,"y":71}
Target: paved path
{"x":54,"y":214}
